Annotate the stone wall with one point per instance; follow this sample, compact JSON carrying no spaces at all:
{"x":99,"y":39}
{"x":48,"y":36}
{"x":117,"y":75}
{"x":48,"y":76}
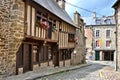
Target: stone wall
{"x":11,"y":34}
{"x":3,"y":38}
{"x":80,"y":47}
{"x":103,"y":37}
{"x":89,"y":38}
{"x":118,"y":36}
{"x":79,"y":57}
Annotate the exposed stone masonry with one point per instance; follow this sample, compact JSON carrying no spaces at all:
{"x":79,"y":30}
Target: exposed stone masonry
{"x":11,"y":34}
{"x":80,"y":45}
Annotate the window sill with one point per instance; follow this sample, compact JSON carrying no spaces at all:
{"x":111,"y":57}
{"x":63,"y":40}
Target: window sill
{"x":108,"y":47}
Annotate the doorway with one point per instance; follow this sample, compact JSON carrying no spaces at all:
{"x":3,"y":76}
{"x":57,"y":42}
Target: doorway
{"x":97,"y":55}
{"x":108,"y":55}
{"x":24,"y":58}
{"x":27,"y":57}
{"x":55,"y":55}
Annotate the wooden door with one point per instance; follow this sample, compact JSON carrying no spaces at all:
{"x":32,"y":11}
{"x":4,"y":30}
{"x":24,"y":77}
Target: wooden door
{"x":27,"y":57}
{"x":97,"y":55}
{"x":19,"y":58}
{"x":55,"y":55}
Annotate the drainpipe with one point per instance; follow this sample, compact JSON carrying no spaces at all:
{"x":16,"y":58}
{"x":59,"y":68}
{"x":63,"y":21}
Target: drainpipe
{"x":116,"y":62}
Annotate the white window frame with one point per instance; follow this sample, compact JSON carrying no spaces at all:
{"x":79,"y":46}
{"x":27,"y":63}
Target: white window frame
{"x":108,"y":33}
{"x":97,"y":45}
{"x":109,"y":44}
{"x":97,"y":34}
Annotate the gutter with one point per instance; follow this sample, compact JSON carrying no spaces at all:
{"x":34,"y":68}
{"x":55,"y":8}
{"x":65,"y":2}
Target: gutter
{"x":116,"y":63}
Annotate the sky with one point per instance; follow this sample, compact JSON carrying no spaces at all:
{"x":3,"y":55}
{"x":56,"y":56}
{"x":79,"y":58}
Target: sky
{"x":102,"y":7}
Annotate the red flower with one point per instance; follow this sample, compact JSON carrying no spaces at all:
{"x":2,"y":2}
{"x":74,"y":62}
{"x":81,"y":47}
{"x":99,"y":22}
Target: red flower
{"x":44,"y":25}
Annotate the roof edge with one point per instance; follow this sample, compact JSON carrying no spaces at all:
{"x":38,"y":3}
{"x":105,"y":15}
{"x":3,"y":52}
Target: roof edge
{"x":115,"y":4}
{"x":72,"y":24}
{"x":102,"y":25}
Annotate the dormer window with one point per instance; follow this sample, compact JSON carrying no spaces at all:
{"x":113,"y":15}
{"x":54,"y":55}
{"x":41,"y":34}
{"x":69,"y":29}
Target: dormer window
{"x":98,"y":21}
{"x":108,"y":21}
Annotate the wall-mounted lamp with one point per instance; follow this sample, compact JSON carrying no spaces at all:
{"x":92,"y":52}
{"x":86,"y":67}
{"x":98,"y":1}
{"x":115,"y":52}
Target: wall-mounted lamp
{"x":74,"y":52}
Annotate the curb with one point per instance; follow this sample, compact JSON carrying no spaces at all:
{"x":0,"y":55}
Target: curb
{"x":60,"y":71}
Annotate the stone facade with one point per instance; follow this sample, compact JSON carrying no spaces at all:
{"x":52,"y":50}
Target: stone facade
{"x":116,"y":6}
{"x":102,"y":49}
{"x":78,"y":56}
{"x":11,"y":34}
{"x":89,"y":38}
{"x":103,"y":38}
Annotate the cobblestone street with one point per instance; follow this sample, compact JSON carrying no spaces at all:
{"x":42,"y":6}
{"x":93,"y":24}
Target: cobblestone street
{"x":85,"y":73}
{"x":93,"y":70}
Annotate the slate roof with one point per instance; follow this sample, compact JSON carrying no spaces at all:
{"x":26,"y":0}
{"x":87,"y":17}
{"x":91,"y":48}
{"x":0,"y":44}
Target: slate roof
{"x":108,"y":20}
{"x":53,"y":7}
{"x":116,"y":3}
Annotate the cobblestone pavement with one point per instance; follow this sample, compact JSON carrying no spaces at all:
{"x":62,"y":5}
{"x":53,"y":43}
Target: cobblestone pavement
{"x":108,"y":73}
{"x":32,"y":75}
{"x":85,"y":73}
{"x":96,"y":71}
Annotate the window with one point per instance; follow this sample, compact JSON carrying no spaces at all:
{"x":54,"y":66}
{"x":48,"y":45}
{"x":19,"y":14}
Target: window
{"x":97,"y":33}
{"x":49,"y":31}
{"x":107,"y":33}
{"x":68,"y":55}
{"x":51,"y":28}
{"x":50,"y":53}
{"x":97,"y":43}
{"x":98,"y":21}
{"x":38,"y":25}
{"x":108,"y":21}
{"x":44,"y":54}
{"x":65,"y":55}
{"x":35,"y":53}
{"x":108,"y":44}
{"x":71,"y":37}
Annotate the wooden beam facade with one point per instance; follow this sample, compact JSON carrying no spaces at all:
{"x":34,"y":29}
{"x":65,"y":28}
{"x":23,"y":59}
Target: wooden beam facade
{"x":48,"y":41}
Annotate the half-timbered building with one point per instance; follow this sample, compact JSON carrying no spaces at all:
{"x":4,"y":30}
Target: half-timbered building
{"x":35,"y":34}
{"x":49,"y":36}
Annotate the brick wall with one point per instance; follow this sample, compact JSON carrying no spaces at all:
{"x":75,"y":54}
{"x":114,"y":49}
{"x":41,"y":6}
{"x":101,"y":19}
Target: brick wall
{"x":11,"y":34}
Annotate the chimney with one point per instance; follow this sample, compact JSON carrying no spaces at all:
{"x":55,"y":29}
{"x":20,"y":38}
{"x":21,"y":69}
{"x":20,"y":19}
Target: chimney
{"x":76,"y":18}
{"x":94,"y":15}
{"x":61,"y":3}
